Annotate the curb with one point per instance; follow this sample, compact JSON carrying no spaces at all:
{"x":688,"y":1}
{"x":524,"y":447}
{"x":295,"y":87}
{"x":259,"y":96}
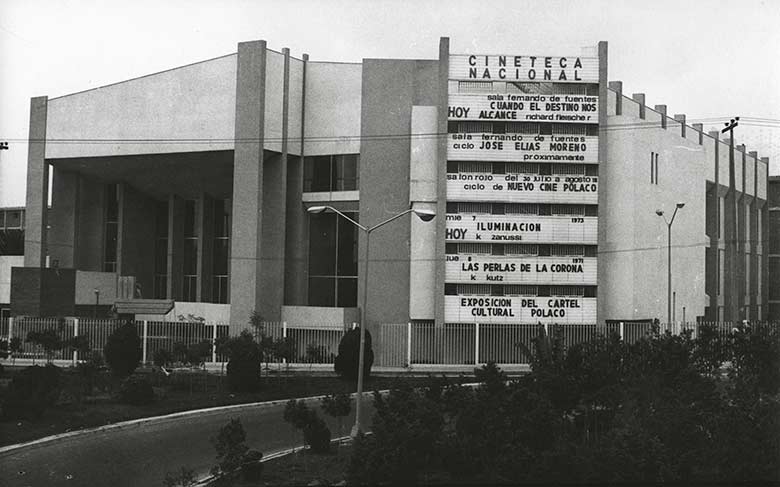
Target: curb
{"x":152,"y":419}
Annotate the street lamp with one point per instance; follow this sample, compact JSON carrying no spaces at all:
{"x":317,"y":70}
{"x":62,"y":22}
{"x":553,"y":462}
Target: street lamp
{"x":424,"y":215}
{"x":669,"y":263}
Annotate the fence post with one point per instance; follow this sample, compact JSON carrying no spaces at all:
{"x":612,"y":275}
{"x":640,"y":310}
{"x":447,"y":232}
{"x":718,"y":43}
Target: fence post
{"x":214,"y":343}
{"x":476,"y":344}
{"x":409,"y":344}
{"x":75,"y":334}
{"x":546,"y":330}
{"x":146,"y":339}
{"x":622,"y":330}
{"x":10,"y":330}
{"x":284,"y":336}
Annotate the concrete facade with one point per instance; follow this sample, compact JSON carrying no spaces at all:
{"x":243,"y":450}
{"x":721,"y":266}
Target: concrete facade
{"x":238,"y":140}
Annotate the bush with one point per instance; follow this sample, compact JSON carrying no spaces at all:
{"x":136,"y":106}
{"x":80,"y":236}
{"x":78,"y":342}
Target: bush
{"x":49,"y":340}
{"x":162,"y":357}
{"x":136,"y":391}
{"x":348,"y":359}
{"x":230,"y":447}
{"x":244,"y":365}
{"x":123,"y":350}
{"x":32,"y":391}
{"x":338,"y":406}
{"x":315,"y":432}
{"x":185,"y":477}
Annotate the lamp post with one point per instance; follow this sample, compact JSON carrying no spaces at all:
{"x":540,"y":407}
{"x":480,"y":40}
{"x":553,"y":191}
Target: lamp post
{"x":669,"y":260}
{"x":424,"y":215}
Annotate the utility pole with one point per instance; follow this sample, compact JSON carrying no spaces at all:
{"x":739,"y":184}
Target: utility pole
{"x":731,"y":240}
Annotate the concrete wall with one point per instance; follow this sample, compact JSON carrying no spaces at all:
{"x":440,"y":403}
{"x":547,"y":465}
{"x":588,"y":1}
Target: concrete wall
{"x":195,"y":102}
{"x":635,"y":250}
{"x":87,"y":282}
{"x":332,"y":103}
{"x":64,"y":219}
{"x":389,"y":90}
{"x":6,"y":263}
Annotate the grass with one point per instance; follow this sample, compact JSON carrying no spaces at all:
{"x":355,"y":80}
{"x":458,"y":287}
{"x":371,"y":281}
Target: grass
{"x":179,"y":392}
{"x":304,"y":467}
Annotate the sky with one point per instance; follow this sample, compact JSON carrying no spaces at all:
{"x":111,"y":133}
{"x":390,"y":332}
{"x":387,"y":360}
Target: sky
{"x":704,"y":58}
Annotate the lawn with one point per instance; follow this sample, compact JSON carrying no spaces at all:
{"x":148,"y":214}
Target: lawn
{"x":178,"y":392}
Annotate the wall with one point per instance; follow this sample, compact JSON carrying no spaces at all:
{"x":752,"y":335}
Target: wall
{"x":333,"y":110}
{"x":635,"y":250}
{"x":6,"y":262}
{"x":194,"y":102}
{"x":87,"y":282}
{"x":389,"y":90}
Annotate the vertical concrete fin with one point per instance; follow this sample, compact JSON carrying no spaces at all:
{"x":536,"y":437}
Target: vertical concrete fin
{"x":640,"y":98}
{"x":699,"y":128}
{"x":680,"y":117}
{"x":441,"y":207}
{"x":662,"y":110}
{"x":603,"y":201}
{"x":37,"y":198}
{"x":617,"y":87}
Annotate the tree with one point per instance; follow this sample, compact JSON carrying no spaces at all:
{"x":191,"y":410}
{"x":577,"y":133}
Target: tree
{"x":231,"y":447}
{"x":123,"y":350}
{"x":244,"y":365}
{"x":348,"y":359}
{"x":79,"y":344}
{"x":315,"y":432}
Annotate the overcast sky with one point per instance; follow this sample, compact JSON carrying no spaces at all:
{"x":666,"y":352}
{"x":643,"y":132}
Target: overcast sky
{"x":704,"y":58}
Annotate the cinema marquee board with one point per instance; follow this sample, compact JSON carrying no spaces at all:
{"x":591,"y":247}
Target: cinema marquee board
{"x":523,"y":148}
{"x":491,"y":269}
{"x":483,"y":228}
{"x":522,"y":188}
{"x":519,"y":309}
{"x":516,"y":67}
{"x":518,"y":107}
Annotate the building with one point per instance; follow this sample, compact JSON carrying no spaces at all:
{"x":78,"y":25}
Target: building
{"x":11,"y":252}
{"x":192,"y":186}
{"x":773,"y":201}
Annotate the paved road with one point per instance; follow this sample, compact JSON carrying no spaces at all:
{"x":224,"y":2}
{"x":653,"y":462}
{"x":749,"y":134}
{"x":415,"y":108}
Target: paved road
{"x":140,"y":455}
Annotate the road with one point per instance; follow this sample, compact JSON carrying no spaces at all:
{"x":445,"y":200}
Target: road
{"x":140,"y":455}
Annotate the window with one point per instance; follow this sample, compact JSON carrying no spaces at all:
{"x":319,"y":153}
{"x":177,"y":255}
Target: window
{"x":190,"y":260}
{"x":111,"y":229}
{"x":331,"y":173}
{"x":221,"y":252}
{"x":333,"y":264}
{"x":161,"y":251}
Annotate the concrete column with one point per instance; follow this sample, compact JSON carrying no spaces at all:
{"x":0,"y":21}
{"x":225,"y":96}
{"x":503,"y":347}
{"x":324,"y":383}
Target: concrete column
{"x":205,"y":222}
{"x":617,"y":87}
{"x":246,"y":266}
{"x":640,"y":98}
{"x":603,"y":202}
{"x":296,"y":267}
{"x":63,"y":234}
{"x":441,"y":183}
{"x":175,"y":246}
{"x":37,"y":201}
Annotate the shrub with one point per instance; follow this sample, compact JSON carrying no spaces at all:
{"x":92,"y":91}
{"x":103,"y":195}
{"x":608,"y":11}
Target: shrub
{"x":338,"y":406}
{"x":230,"y":447}
{"x":185,"y":477}
{"x":198,"y":353}
{"x":348,"y":359}
{"x":162,"y":357}
{"x":49,"y":340}
{"x":136,"y":391}
{"x":315,"y":432}
{"x":123,"y":350}
{"x":32,"y":391}
{"x":244,"y":365}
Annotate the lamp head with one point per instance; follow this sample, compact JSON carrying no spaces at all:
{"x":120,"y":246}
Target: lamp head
{"x":680,"y":205}
{"x":425,"y":215}
{"x":315,"y":210}
{"x":659,"y":212}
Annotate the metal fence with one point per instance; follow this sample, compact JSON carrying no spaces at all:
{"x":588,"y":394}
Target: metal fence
{"x":395,"y":345}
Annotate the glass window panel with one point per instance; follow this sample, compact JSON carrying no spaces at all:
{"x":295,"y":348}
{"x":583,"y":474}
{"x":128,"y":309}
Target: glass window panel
{"x":161,"y":220}
{"x":190,"y":225}
{"x":190,"y":256}
{"x":347,"y":258}
{"x":161,"y":256}
{"x":112,"y":203}
{"x":322,"y":291}
{"x":111,"y":238}
{"x":321,"y":174}
{"x":322,"y":244}
{"x":347,"y":292}
{"x":220,"y":258}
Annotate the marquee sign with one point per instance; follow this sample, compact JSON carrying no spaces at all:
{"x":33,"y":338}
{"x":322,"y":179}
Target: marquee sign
{"x":511,"y":107}
{"x":523,"y":148}
{"x":484,"y":228}
{"x":506,"y":67}
{"x":522,"y":188}
{"x":519,"y":309}
{"x":491,"y":269}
